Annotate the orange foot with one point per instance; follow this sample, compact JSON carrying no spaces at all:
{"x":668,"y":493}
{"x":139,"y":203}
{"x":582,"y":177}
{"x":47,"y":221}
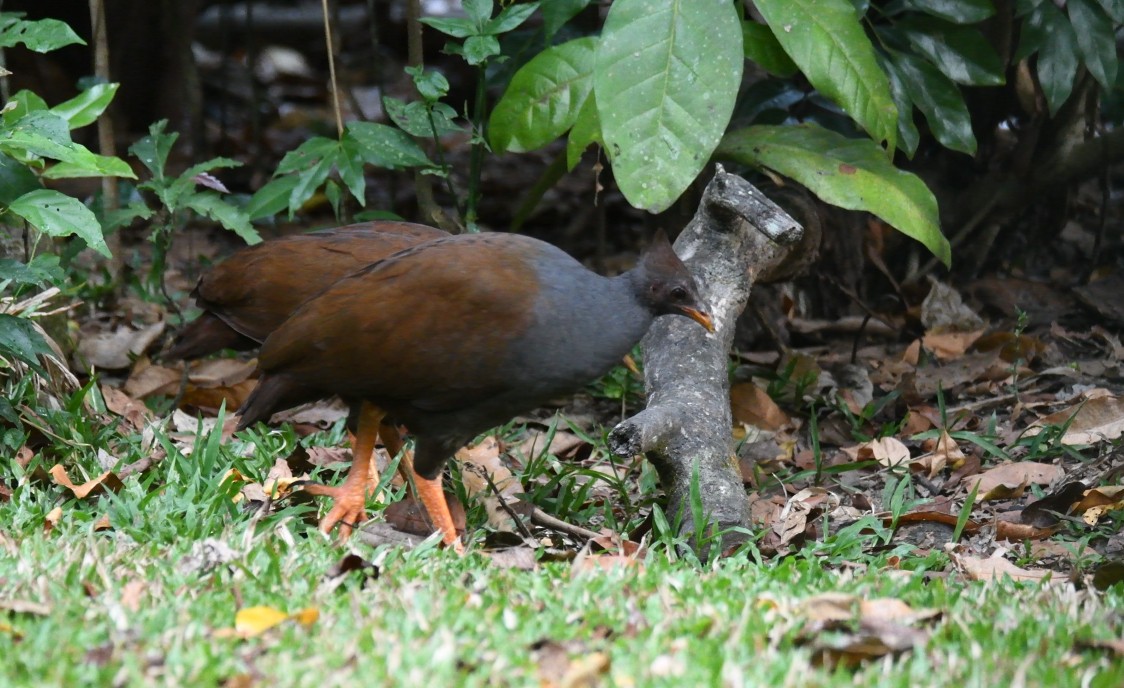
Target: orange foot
{"x":348,"y":506}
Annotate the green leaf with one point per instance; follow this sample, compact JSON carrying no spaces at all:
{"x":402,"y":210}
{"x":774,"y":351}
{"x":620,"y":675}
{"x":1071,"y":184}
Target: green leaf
{"x":42,"y":35}
{"x":826,"y":40}
{"x":21,"y":103}
{"x":478,"y":11}
{"x":850,"y":173}
{"x":908,"y":136}
{"x":271,"y":198}
{"x":20,"y":338}
{"x":91,"y":166}
{"x":452,"y":26}
{"x":555,"y":13}
{"x":308,"y":154}
{"x":308,"y":181}
{"x":1114,"y":9}
{"x":477,"y":49}
{"x":414,"y":118}
{"x":940,"y":101}
{"x":585,"y":132}
{"x":211,"y":204}
{"x":666,"y":76}
{"x":349,"y":163}
{"x":544,"y":97}
{"x":1057,"y":57}
{"x":60,"y":215}
{"x":960,"y":52}
{"x":87,"y":106}
{"x":958,"y":11}
{"x":1095,"y":39}
{"x":510,"y":18}
{"x":432,"y":85}
{"x":40,"y":133}
{"x":761,"y":46}
{"x":152,"y":150}
{"x":18,"y":273}
{"x":15,"y":180}
{"x":385,"y":146}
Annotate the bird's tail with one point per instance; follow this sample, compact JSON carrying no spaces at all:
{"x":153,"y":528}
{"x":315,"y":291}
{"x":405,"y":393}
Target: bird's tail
{"x":272,"y":393}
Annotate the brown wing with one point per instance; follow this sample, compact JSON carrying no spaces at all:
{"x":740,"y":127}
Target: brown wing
{"x":428,"y":327}
{"x":256,"y":289}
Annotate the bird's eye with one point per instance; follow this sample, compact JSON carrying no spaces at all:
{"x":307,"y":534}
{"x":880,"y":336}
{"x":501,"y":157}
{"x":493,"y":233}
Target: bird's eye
{"x":679,"y":293}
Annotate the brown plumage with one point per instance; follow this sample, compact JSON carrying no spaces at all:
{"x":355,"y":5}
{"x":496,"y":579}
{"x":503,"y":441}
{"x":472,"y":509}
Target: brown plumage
{"x":457,"y":335}
{"x":252,"y":292}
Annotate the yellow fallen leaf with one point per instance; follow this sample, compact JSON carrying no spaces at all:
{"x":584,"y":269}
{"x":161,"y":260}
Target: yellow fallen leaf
{"x":52,"y":519}
{"x":253,"y":621}
{"x":306,"y":616}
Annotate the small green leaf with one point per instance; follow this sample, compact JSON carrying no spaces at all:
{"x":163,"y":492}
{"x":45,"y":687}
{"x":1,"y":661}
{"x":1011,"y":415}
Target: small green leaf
{"x":1114,"y":9}
{"x":385,"y":146}
{"x":42,"y":35}
{"x":211,"y":204}
{"x":20,"y":338}
{"x":152,"y":150}
{"x":1095,"y":39}
{"x":308,"y":181}
{"x":478,"y":11}
{"x":940,"y":101}
{"x":91,"y":166}
{"x":60,"y":215}
{"x":850,"y":173}
{"x":451,"y":26}
{"x":666,"y":77}
{"x":908,"y":136}
{"x":960,"y":52}
{"x":958,"y":11}
{"x":21,"y":103}
{"x":87,"y":106}
{"x":510,"y":18}
{"x":308,"y":154}
{"x":414,"y":119}
{"x":349,"y":163}
{"x":544,"y":97}
{"x":477,"y":49}
{"x":761,"y":46}
{"x":271,"y":198}
{"x":431,"y":84}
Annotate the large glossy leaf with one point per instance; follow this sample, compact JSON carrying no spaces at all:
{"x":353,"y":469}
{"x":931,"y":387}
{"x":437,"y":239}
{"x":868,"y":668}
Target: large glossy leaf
{"x":666,"y":77}
{"x":959,"y":11}
{"x":87,"y":106}
{"x":761,"y":46}
{"x":15,"y":179}
{"x":961,"y":52}
{"x":544,"y":97}
{"x":60,"y":215}
{"x":939,"y":100}
{"x":908,"y":136}
{"x":849,"y":173}
{"x":1050,"y":28}
{"x":42,"y":36}
{"x":826,"y":40}
{"x":1095,"y":39}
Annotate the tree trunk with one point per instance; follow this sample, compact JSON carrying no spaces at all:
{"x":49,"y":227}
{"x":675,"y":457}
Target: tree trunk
{"x":686,"y":429}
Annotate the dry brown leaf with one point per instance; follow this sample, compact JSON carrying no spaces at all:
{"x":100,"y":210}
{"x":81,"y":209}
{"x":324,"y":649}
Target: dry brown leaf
{"x":107,"y":481}
{"x":25,"y":607}
{"x":148,"y":379}
{"x":135,"y":413}
{"x":949,"y":345}
{"x":220,"y":372}
{"x":132,"y":594}
{"x":211,"y":399}
{"x":1008,"y":480}
{"x":1093,"y":420}
{"x":563,"y":444}
{"x":888,"y":451}
{"x":753,"y":406}
{"x":995,"y":567}
{"x":115,"y":350}
{"x":944,"y":310}
{"x":52,"y":519}
{"x":480,"y":463}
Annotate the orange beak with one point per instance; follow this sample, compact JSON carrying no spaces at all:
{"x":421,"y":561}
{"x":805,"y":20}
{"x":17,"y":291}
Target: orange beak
{"x":698,"y":316}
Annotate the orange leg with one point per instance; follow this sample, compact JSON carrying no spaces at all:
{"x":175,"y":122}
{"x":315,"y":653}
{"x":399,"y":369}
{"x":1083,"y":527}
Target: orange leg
{"x":349,"y":507}
{"x":392,"y":440}
{"x":433,"y":498}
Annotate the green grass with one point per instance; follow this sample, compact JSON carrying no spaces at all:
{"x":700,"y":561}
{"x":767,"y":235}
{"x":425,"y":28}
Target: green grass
{"x":126,"y":607}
